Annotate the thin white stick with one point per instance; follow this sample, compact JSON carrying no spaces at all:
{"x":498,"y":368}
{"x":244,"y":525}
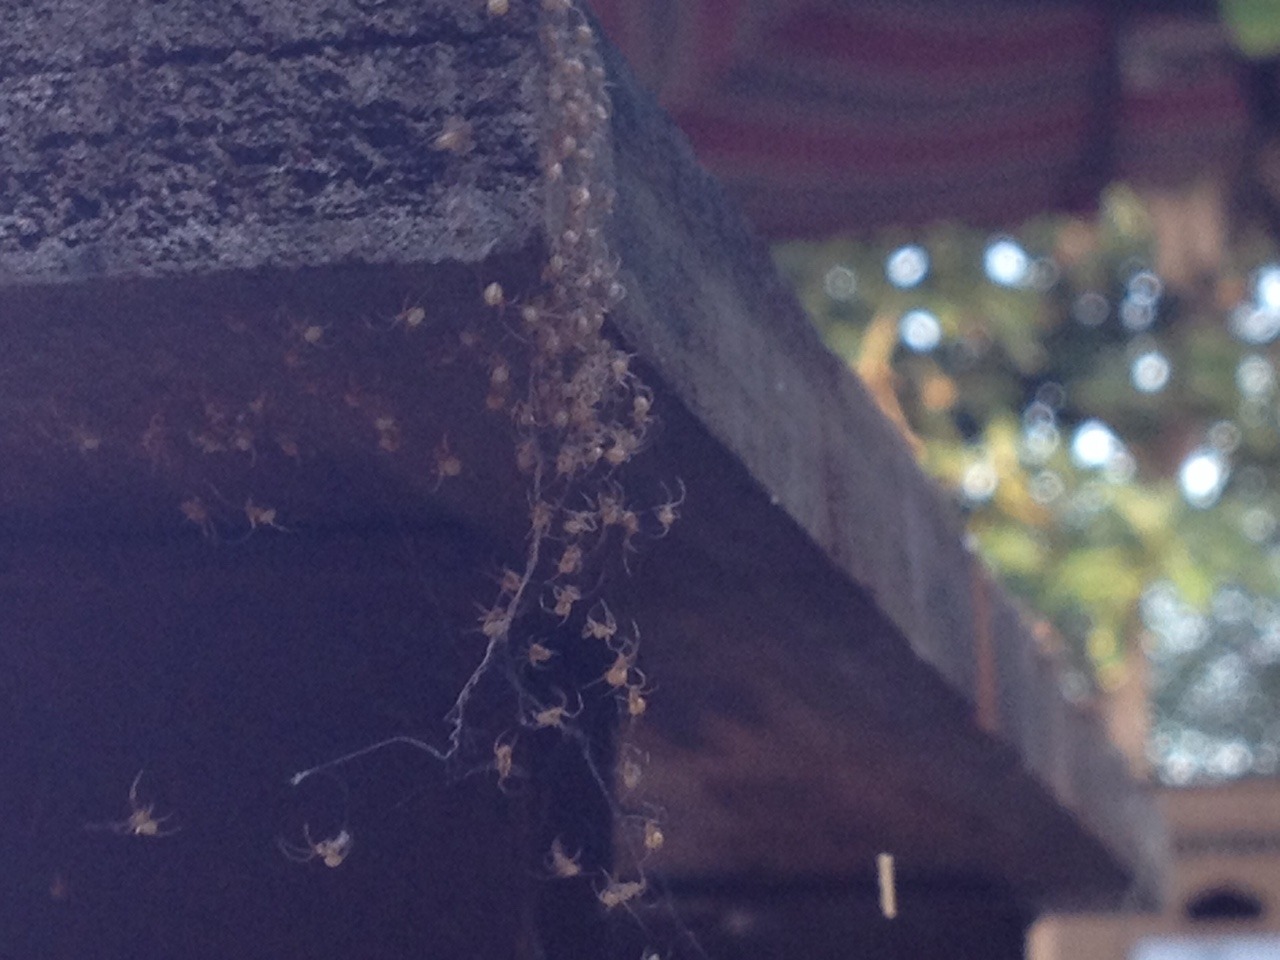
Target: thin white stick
{"x":888,"y":891}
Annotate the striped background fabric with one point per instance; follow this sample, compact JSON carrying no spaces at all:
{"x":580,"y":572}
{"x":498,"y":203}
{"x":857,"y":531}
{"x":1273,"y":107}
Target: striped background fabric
{"x":834,"y":115}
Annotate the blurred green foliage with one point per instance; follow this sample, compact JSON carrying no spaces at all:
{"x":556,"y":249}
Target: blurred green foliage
{"x":1254,"y":25}
{"x":1113,"y":444}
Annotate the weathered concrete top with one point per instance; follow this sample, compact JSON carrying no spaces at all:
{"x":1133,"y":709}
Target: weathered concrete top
{"x":211,"y":217}
{"x":145,"y":139}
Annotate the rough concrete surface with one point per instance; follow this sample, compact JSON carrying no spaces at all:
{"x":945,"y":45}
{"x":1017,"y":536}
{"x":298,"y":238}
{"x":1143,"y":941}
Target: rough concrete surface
{"x":187,"y":137}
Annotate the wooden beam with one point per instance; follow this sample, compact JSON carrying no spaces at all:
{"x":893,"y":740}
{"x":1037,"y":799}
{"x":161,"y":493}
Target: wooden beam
{"x":206,"y":323}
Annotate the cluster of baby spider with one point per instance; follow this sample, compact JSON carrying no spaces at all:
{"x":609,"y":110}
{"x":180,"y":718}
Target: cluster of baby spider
{"x":226,"y":429}
{"x":580,"y":413}
{"x":197,"y":511}
{"x":143,"y":822}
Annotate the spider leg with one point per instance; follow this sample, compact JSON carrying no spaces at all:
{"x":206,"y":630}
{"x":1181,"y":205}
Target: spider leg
{"x":165,"y":833}
{"x":295,"y":852}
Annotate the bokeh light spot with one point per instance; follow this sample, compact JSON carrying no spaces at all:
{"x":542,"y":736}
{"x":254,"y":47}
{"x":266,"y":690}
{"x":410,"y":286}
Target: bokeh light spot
{"x":1255,"y":377}
{"x":1040,"y":439}
{"x":1255,"y":325}
{"x":1090,"y":309}
{"x":1094,"y":444}
{"x":1046,"y":487}
{"x":840,"y":283}
{"x":907,"y":266}
{"x":1121,"y":467}
{"x":1150,"y":372}
{"x":1145,"y":287}
{"x":920,"y":330}
{"x":1137,"y":315}
{"x":1006,"y":263}
{"x":1225,"y":436}
{"x":1258,"y":524}
{"x":1202,"y":477}
{"x":1266,"y":287}
{"x":979,"y":482}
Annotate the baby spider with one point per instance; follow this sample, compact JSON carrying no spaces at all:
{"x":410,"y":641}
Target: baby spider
{"x":85,"y":440}
{"x":332,"y":850}
{"x":553,"y":716}
{"x":610,"y":507}
{"x":494,"y":296}
{"x":242,"y":440}
{"x":630,"y":527}
{"x":565,"y":597}
{"x":617,"y":893}
{"x":261,"y":517}
{"x":641,"y":406}
{"x":510,"y":582}
{"x":562,"y":865}
{"x":603,"y":627}
{"x":194,"y":509}
{"x":578,"y":522}
{"x":412,"y":316}
{"x":539,"y":654}
{"x":631,"y":773}
{"x":447,"y":463}
{"x":142,"y":821}
{"x":570,"y":561}
{"x":631,"y":766}
{"x":504,"y":759}
{"x":288,"y":446}
{"x":620,"y":367}
{"x":388,"y":434}
{"x":637,"y":697}
{"x":666,"y":513}
{"x":527,"y":455}
{"x":623,"y":667}
{"x":624,"y":446}
{"x":257,"y":405}
{"x":653,"y":836}
{"x":495,"y":622}
{"x":206,"y":442}
{"x":540,"y":516}
{"x":568,"y":459}
{"x":499,"y":372}
{"x":312,"y":334}
{"x":496,"y":399}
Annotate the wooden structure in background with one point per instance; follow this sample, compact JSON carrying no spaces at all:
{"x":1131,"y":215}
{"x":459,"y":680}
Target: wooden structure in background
{"x":209,"y":217}
{"x":1224,"y":885}
{"x":828,"y":117}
